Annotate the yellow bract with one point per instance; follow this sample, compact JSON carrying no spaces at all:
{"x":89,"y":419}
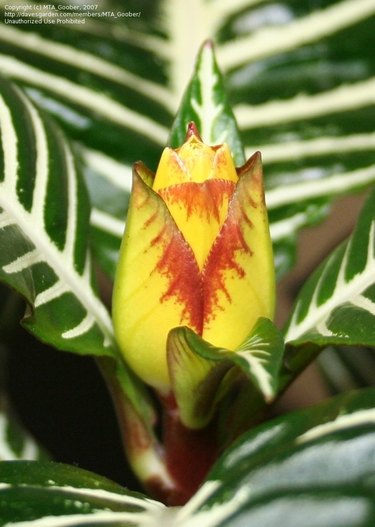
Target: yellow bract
{"x":196,"y":183}
{"x":240,"y":285}
{"x":154,"y":288}
{"x":194,"y":162}
{"x":196,"y":252}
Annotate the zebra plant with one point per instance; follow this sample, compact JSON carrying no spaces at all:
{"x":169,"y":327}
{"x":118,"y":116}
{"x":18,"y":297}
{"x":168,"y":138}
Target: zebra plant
{"x":79,"y":105}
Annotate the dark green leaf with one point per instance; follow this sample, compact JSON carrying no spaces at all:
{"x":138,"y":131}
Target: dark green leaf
{"x":44,"y":214}
{"x":65,"y":495}
{"x":337,"y":304}
{"x":311,"y":468}
{"x":205,"y":102}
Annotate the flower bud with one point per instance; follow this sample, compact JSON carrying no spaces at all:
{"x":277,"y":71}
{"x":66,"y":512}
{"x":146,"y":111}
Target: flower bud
{"x":196,"y":252}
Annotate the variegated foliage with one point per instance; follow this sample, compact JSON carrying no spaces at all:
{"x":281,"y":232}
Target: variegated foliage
{"x":44,"y":254}
{"x":300,"y":94}
{"x":293,"y":471}
{"x":299,"y":74}
{"x":44,"y":217}
{"x":336,"y":306}
{"x":303,"y":94}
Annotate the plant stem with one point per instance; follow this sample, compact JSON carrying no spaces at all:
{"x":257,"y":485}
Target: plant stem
{"x":170,"y":469}
{"x":189,"y":453}
{"x":142,"y":448}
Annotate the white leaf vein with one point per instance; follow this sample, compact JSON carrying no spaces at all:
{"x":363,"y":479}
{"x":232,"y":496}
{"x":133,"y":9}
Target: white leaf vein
{"x":94,"y":101}
{"x":310,"y":28}
{"x":45,"y":250}
{"x":344,"y":291}
{"x":84,"y":61}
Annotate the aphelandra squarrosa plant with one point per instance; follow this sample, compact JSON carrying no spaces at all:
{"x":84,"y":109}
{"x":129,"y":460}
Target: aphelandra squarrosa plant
{"x":212,"y":381}
{"x":196,"y":252}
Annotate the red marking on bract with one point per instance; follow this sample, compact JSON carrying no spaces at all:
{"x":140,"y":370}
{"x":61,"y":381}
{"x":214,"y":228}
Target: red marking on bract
{"x":158,"y":239}
{"x":141,"y":193}
{"x":178,"y":264}
{"x":221,"y":259}
{"x":253,"y":169}
{"x":208,"y":44}
{"x":204,"y":199}
{"x":254,"y":162}
{"x":153,"y":217}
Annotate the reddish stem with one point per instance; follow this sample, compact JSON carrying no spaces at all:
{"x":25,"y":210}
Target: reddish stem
{"x":173,"y":469}
{"x":189,"y":454}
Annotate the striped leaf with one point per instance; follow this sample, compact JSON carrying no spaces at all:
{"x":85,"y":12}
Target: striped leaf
{"x":303,"y":95}
{"x":44,"y":214}
{"x":44,"y":253}
{"x":299,"y":74}
{"x":205,"y":103}
{"x":107,"y":92}
{"x":336,"y":308}
{"x":337,"y":304}
{"x":312,"y":468}
{"x":41,"y":494}
{"x":202,"y":374}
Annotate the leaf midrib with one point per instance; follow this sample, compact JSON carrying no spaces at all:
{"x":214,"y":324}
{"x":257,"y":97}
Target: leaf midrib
{"x":78,"y":285}
{"x":360,"y":282}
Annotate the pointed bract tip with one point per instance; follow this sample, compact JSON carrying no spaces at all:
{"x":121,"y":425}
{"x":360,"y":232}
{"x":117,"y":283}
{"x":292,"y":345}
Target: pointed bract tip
{"x":254,"y":161}
{"x":141,"y":171}
{"x":192,"y":130}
